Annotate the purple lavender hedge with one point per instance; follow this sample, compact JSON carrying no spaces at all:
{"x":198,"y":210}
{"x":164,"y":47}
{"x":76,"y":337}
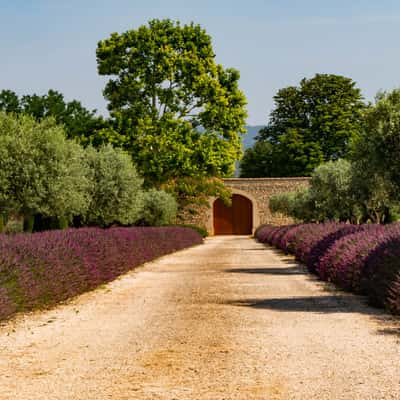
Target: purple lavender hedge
{"x":360,"y":258}
{"x":381,"y":277}
{"x":44,"y":268}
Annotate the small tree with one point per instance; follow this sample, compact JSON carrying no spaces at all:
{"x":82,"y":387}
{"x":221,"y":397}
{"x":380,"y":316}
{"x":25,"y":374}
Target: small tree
{"x":299,"y":205}
{"x":330,"y":189}
{"x":116,"y":195}
{"x":159,"y":208}
{"x":40,"y":171}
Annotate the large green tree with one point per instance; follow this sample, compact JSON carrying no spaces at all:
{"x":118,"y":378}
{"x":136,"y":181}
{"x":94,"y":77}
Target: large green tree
{"x":176,"y":110}
{"x":310,"y":124}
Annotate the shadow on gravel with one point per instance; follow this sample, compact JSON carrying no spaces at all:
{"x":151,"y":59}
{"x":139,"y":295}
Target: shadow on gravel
{"x":390,"y":331}
{"x":268,"y":271}
{"x":316,"y":304}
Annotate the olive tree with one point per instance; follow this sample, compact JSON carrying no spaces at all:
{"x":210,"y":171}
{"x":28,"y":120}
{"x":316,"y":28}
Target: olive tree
{"x":115,"y":193}
{"x":41,"y":172}
{"x":159,"y":208}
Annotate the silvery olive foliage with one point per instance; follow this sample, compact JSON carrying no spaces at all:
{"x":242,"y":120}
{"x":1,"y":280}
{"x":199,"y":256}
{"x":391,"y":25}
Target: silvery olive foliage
{"x":40,"y":170}
{"x":159,"y":208}
{"x":116,"y":194}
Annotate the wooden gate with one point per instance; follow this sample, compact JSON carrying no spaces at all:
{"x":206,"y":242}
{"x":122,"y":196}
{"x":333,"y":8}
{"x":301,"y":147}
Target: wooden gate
{"x":234,"y":220}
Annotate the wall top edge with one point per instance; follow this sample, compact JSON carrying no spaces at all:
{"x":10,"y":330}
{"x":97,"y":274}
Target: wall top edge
{"x":300,"y":178}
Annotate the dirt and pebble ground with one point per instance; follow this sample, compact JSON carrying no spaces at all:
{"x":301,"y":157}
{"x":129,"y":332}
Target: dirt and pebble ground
{"x":228,"y":320}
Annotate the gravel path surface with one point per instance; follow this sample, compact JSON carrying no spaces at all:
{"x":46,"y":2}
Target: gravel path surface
{"x":228,"y":320}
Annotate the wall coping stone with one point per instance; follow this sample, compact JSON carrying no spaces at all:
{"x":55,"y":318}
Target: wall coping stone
{"x":300,"y":178}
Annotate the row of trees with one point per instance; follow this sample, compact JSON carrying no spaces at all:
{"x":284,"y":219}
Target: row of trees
{"x":366,"y":187}
{"x":54,"y":181}
{"x":78,"y":122}
{"x":173,"y":109}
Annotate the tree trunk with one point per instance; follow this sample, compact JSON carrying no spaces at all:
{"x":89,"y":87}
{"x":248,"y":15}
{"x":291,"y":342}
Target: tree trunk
{"x":29,"y":221}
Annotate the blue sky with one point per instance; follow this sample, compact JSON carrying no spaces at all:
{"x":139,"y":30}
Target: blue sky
{"x":51,"y":43}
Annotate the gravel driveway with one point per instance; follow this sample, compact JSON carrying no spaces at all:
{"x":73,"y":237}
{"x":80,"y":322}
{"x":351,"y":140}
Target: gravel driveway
{"x":230,"y":319}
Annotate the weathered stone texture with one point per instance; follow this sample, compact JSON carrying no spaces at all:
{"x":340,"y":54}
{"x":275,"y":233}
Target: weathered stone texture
{"x":198,"y":215}
{"x":261,"y":189}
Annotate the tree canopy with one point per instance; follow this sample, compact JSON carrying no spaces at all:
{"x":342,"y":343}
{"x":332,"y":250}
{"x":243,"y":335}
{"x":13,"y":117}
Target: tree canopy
{"x":176,"y":110}
{"x":376,"y":149}
{"x":116,"y":189}
{"x":310,"y":124}
{"x":78,"y":122}
{"x":40,"y":171}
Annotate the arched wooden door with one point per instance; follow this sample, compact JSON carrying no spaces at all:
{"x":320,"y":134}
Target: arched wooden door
{"x":234,"y":220}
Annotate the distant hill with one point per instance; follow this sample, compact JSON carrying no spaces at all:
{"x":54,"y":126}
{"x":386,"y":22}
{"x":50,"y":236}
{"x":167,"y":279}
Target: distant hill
{"x":252,"y":132}
{"x":248,"y":141}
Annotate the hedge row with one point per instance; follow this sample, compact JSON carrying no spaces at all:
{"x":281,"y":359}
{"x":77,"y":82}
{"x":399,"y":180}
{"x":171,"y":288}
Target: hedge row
{"x":364,"y":259}
{"x":41,"y":269}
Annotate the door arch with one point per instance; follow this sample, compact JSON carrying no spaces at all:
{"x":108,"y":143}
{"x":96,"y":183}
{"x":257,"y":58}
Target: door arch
{"x":234,"y":220}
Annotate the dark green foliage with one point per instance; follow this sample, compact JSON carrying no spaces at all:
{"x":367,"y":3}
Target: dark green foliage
{"x":311,"y":124}
{"x":29,"y":223}
{"x":45,"y":223}
{"x":199,"y":229}
{"x":2,"y":223}
{"x":9,"y":102}
{"x":258,"y":161}
{"x":78,"y":122}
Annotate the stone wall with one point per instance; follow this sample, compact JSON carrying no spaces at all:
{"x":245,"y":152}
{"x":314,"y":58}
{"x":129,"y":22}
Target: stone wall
{"x":259,"y":191}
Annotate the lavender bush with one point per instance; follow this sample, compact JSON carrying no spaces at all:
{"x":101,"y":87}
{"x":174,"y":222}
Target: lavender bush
{"x":322,"y":246}
{"x":263,"y":233}
{"x":44,"y":268}
{"x":360,"y":258}
{"x":381,"y":277}
{"x":344,"y":261}
{"x":277,"y":235}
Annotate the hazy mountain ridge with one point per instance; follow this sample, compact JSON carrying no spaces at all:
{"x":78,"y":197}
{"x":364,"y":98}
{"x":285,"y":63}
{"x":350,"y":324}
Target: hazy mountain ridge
{"x":252,"y":132}
{"x":248,"y":141}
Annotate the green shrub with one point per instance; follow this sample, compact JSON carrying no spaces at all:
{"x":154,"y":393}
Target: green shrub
{"x":199,"y":229}
{"x":159,"y":208}
{"x":115,"y":193}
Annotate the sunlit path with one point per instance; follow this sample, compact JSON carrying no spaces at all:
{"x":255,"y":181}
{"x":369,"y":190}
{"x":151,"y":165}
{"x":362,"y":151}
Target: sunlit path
{"x":229,"y":319}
